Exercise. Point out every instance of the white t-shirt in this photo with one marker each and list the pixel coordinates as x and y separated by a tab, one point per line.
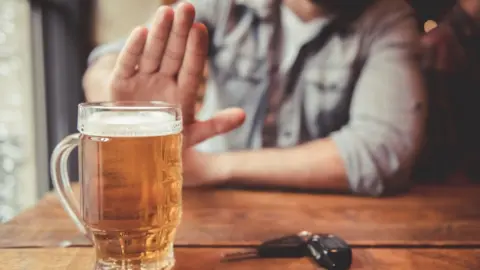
295	33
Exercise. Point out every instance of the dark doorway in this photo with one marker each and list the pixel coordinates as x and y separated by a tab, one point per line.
66	41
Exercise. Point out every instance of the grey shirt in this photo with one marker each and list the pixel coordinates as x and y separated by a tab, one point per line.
363	88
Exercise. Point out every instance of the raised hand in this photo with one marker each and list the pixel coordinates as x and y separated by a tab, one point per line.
165	63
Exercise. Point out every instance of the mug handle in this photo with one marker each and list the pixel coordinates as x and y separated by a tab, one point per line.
61	180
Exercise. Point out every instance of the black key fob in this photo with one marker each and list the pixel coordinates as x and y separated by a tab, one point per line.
330	252
290	246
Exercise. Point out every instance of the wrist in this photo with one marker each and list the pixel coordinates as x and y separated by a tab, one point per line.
225	167
96	85
96	80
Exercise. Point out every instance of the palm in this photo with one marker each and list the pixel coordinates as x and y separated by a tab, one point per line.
145	87
166	64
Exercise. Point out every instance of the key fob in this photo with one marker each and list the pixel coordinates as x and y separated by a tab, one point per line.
330	252
290	246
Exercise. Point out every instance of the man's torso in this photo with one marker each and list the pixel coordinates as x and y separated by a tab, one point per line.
240	72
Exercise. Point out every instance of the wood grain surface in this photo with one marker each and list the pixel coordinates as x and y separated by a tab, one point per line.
427	216
212	258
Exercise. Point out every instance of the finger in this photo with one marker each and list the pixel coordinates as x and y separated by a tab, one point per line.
130	55
222	122
173	56
192	70
157	40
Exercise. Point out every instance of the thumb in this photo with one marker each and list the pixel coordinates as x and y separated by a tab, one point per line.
222	122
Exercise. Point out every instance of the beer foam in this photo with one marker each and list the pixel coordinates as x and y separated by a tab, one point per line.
130	124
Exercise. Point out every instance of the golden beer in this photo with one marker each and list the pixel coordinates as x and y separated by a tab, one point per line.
133	193
131	186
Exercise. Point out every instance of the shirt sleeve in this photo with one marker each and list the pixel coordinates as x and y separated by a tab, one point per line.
382	139
207	12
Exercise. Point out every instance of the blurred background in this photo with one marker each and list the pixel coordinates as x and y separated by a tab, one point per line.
43	49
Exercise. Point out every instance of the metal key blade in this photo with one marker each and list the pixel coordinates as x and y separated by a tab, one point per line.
239	256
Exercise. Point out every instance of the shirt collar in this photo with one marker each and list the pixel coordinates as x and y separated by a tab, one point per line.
263	8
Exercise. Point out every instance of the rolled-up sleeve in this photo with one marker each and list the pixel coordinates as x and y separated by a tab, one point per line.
384	135
207	12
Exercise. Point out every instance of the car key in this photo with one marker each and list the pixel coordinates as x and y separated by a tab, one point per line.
291	246
330	252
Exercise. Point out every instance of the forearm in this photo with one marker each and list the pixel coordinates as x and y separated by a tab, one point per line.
315	165
96	79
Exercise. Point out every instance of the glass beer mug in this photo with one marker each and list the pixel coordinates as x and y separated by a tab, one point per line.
131	181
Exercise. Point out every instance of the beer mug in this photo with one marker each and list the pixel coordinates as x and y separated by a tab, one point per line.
131	181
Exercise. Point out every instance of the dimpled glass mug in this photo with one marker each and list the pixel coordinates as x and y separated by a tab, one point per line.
131	181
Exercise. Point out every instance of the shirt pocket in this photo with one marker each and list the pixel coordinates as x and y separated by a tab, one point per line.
326	99
238	78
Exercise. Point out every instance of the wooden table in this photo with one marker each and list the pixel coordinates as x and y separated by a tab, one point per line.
428	228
